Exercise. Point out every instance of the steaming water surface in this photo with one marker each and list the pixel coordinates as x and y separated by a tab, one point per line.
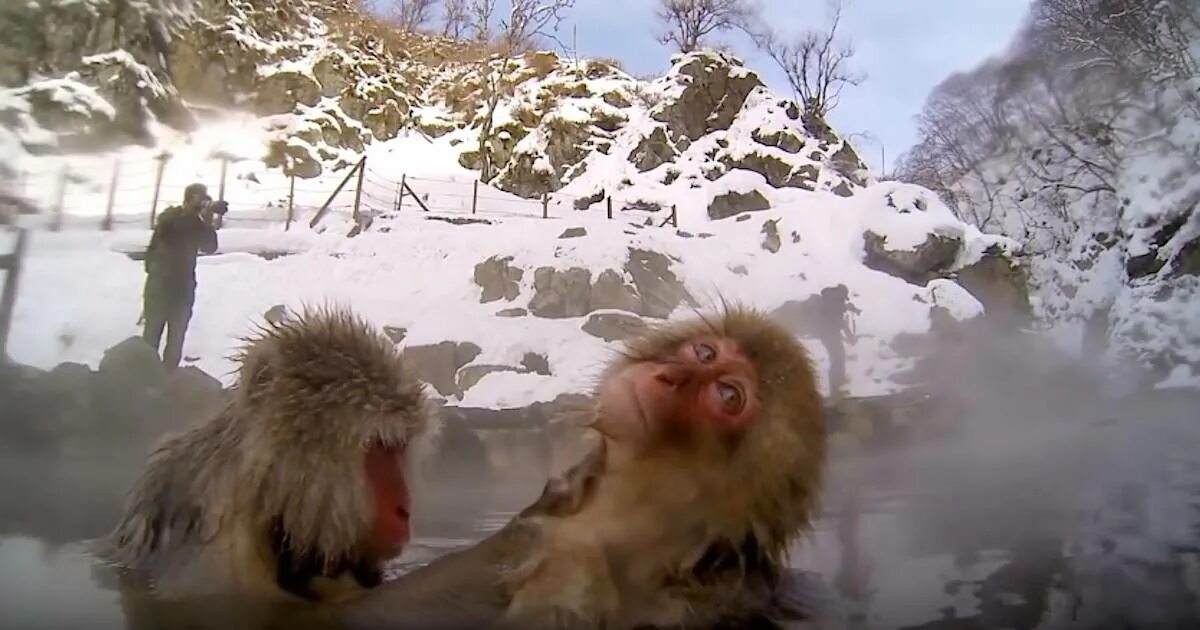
1025	524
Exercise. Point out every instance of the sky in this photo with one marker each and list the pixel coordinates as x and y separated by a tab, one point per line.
905	47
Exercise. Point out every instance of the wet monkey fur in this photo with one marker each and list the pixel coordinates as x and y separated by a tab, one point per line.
296	489
708	464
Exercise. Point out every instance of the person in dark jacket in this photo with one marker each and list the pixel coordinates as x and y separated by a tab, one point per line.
179	233
832	329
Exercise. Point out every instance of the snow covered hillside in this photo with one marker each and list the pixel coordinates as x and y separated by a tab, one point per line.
505	280
1082	144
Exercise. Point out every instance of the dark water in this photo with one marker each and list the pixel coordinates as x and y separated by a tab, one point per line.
1083	521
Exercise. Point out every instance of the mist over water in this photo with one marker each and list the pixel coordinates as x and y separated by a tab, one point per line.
1053	501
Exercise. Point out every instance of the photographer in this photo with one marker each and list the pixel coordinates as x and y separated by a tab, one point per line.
179	233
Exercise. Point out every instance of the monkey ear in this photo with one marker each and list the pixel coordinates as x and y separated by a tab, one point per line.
565	495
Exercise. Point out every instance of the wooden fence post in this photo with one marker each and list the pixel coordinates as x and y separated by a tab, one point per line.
11	263
545	205
325	206
162	165
403	187
609	200
474	196
107	223
291	202
362	168
219	220
60	198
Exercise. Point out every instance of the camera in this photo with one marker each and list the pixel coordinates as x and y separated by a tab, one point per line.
219	207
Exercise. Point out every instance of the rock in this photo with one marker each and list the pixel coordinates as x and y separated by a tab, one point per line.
1187	261
279	92
611	292
133	362
740	270
787	140
615	99
777	172
561	293
712	95
733	203
294	159
614	326
512	312
660	291
842	190
653	151
536	363
438	364
276	314
499	280
193	394
575	232
847	163
999	283
395	334
770	231
926	261
470	376
583	203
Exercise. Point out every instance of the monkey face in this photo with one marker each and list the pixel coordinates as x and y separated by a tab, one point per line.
385	474
702	385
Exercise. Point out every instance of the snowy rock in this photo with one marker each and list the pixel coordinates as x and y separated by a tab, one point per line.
575	232
734	203
770	232
1000	284
784	139
614	326
498	279
657	286
653	151
395	334
276	314
713	92
438	364
561	293
536	363
611	292
280	92
917	265
776	171
470	375
512	312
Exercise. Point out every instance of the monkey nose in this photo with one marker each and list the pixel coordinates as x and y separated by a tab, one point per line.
673	376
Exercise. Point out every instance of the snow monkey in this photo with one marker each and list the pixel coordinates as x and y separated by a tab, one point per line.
296	489
708	461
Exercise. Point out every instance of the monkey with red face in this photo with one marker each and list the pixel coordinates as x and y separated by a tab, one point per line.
296	489
709	459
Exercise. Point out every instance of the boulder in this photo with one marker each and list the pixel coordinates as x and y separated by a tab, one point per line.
653	151
574	232
734	203
536	363
561	293
279	92
660	291
1000	284
276	314
438	364
614	326
498	279
783	139
512	312
611	292
470	375
930	259
777	172
847	164
395	334
714	88
770	232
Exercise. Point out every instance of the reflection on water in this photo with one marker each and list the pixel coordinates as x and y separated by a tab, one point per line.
1039	525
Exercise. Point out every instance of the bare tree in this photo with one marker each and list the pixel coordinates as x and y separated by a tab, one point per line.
412	15
456	19
530	19
689	22
480	14
815	63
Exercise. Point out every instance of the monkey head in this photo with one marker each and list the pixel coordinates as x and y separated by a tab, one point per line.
731	400
334	413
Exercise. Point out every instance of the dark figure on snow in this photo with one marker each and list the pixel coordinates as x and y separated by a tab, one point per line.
179	233
832	328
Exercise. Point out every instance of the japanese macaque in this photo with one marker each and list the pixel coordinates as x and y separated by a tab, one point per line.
709	459
296	489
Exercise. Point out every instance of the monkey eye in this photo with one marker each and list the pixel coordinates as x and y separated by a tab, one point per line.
732	399
704	352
